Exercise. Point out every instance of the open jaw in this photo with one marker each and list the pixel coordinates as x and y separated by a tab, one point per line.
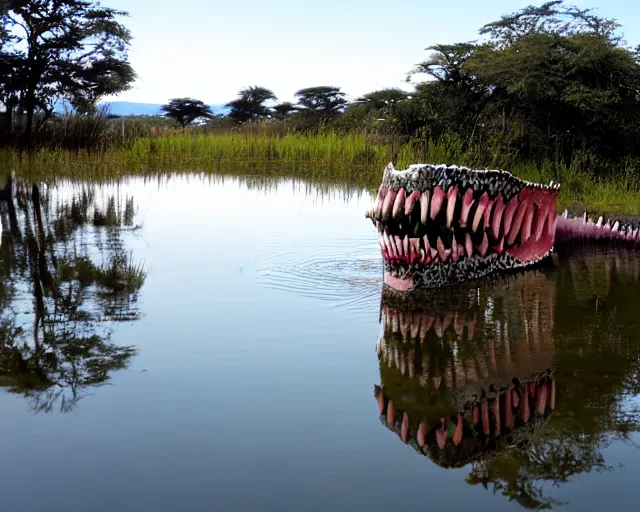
442	225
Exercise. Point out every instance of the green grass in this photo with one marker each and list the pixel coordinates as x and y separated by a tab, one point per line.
352	159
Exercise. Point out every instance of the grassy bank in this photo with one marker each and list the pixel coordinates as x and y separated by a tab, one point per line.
353	159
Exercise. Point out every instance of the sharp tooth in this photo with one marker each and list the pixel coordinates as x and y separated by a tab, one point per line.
527	223
399	202
482	204
454	249
584	217
484	246
565	214
467	202
542	216
599	223
517	221
426	243
498	210
451	203
615	227
382	191
436	201
508	215
414	244
468	245
391	248
424	206
410	202
487	213
388	203
444	253
398	243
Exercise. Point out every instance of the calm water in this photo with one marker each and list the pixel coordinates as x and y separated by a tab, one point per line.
214	344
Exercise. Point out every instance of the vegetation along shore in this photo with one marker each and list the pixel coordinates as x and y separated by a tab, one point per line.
549	93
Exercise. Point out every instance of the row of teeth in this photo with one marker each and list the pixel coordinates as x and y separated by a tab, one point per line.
459	370
414	326
515	218
418	250
396	204
589	228
493	416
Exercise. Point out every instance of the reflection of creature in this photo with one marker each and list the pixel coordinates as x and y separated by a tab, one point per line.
480	361
522	379
441	225
45	251
481	425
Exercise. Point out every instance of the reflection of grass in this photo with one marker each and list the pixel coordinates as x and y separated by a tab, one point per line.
121	275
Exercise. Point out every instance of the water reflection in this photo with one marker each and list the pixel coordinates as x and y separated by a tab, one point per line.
65	276
525	381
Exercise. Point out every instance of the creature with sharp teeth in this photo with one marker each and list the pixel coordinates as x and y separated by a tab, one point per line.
443	225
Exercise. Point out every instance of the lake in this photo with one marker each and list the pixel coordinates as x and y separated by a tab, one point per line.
215	343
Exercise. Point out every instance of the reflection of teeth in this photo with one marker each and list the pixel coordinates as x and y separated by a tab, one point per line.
484	411
422	434
438	328
391	413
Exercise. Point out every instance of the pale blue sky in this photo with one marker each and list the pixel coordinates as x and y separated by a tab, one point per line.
211	49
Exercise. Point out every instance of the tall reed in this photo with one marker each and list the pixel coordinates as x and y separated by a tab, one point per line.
351	158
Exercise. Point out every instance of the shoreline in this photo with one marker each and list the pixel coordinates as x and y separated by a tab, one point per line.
350	160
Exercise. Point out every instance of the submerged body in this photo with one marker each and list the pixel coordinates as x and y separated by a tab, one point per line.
443	225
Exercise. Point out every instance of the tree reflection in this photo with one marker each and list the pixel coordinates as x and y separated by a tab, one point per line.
524	381
65	276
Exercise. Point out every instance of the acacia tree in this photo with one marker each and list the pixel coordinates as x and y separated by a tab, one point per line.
71	49
284	110
186	110
321	103
250	105
384	101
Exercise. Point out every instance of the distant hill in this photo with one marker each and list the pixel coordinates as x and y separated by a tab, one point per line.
130	108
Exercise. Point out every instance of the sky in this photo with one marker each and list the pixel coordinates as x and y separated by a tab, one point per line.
209	50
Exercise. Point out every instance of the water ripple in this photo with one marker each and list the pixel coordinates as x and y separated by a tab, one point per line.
346	272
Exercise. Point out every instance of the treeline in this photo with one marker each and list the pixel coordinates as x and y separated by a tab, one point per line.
548	83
